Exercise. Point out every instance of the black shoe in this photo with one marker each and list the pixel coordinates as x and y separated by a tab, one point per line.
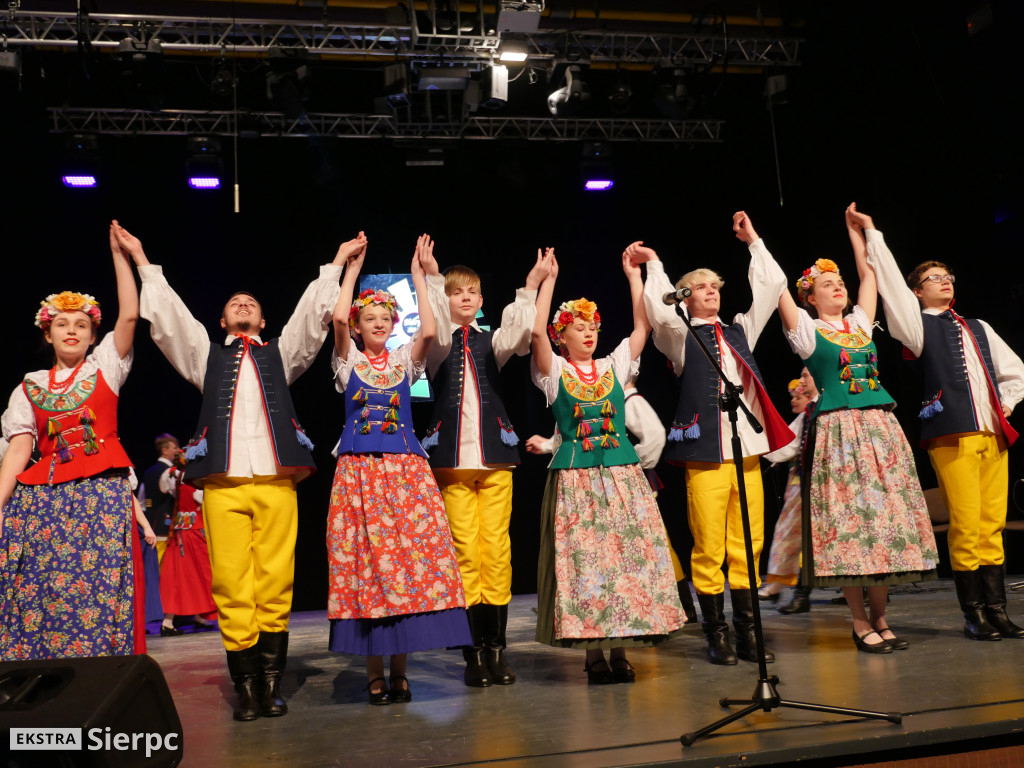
686	598
865	647
599	677
993	587
801	602
380	698
716	631
498	670
623	671
399	694
244	668
895	642
166	631
477	675
743	622
969	588
273	647
772	597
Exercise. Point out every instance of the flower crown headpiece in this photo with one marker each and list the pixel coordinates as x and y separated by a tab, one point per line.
365	299
805	283
794	385
67	301
566	315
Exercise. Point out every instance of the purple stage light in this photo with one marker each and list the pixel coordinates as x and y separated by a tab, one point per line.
204	182
79	180
598	185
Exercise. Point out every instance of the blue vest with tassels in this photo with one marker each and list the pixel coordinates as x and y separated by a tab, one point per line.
210	449
378	416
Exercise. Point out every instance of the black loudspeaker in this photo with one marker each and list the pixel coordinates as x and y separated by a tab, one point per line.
120	705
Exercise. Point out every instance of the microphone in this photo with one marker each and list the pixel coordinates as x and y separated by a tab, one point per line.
676	296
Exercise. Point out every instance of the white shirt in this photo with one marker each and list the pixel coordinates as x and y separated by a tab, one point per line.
511	338
767	282
186	344
903	312
19	418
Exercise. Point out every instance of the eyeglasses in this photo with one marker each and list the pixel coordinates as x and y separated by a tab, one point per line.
938	279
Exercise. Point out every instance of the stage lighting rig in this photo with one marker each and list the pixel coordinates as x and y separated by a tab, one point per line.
596	169
203	165
571	98
80	165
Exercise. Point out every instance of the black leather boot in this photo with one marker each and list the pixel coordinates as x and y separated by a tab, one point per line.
273	648
716	631
494	644
687	600
477	675
244	668
743	621
801	602
993	589
969	593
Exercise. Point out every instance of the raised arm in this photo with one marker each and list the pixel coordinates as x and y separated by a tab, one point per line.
428	327
641	325
127	295
183	339
766	278
788	311
540	345
354	258
517	319
867	294
902	309
669	329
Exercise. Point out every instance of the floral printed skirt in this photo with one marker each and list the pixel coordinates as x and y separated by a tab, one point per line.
784	558
605	576
389	547
66	576
868	523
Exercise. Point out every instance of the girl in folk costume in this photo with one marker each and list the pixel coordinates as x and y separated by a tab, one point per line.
605	576
867	521
66	576
186	578
784	557
395	585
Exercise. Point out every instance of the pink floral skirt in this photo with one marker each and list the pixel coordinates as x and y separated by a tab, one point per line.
867	514
389	547
605	571
784	557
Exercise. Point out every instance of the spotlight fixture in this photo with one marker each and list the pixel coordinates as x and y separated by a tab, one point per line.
288	80
223	81
396	85
80	167
620	95
512	51
570	98
203	166
494	87
142	71
596	170
671	96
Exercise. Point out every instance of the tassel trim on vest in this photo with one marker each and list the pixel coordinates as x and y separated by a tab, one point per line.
301	436
931	407
508	435
197	448
680	431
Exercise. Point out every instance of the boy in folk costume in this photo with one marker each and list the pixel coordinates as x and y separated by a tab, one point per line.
700	436
248	454
972	382
473	448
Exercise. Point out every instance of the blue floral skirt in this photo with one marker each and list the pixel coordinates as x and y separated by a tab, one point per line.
66	577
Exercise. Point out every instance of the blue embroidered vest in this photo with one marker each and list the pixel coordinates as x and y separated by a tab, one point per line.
209	450
378	416
948	405
696	428
159	505
471	352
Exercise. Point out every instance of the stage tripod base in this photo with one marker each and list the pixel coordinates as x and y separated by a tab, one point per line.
766	698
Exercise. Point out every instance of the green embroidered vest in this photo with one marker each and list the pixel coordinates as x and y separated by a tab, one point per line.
591	419
844	366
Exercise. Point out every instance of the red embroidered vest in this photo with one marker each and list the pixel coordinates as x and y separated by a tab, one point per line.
76	432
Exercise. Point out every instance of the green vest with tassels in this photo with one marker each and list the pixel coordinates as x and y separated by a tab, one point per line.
845	368
591	419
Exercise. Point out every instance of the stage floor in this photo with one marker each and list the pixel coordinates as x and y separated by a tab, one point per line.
947	687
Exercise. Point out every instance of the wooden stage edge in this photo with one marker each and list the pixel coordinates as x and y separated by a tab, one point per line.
955	695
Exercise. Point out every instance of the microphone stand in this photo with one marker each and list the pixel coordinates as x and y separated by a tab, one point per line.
765	696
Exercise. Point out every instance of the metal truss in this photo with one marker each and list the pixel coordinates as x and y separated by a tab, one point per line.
362	126
743	45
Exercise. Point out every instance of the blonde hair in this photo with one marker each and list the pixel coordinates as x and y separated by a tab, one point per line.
458	276
698	276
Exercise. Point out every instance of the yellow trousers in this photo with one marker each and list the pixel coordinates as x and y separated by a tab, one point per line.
161	547
251	524
713	508
973	473
479	507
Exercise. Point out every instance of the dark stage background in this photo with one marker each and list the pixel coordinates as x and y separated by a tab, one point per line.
895	107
